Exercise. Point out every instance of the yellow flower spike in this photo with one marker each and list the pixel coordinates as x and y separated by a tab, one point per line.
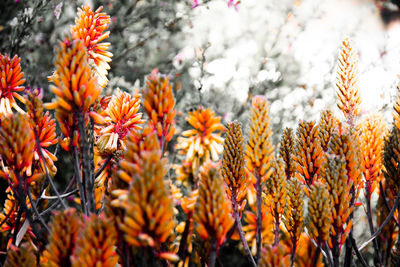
17	146
204	142
308	153
232	169
44	126
121	116
294	212
347	83
11	79
148	200
276	191
159	105
89	27
73	71
274	256
319	213
286	152
328	124
259	149
23	256
347	145
213	209
95	243
64	230
334	175
372	133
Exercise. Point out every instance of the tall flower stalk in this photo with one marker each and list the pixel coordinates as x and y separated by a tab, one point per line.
259	155
233	172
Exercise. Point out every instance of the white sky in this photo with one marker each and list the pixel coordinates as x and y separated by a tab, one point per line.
240	42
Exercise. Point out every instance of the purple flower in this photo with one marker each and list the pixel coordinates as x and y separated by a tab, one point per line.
58	10
195	3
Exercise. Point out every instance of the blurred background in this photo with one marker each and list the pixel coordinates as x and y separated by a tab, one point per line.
220	53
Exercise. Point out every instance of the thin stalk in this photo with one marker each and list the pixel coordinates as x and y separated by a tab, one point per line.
108	159
293	254
316	257
276	230
328	254
259	215
348	257
241	233
16	225
88	183
33	203
50	180
80	182
213	253
386	221
383	195
185	234
377	256
358	254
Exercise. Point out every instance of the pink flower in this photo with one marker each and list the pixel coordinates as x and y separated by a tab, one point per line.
195	3
234	3
57	10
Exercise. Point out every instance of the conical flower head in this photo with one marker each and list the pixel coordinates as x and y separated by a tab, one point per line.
17	146
121	116
11	79
308	153
294	212
159	105
372	132
75	87
347	145
328	124
276	190
213	209
391	161
89	27
44	128
319	213
64	229
286	152
148	205
232	169
204	141
259	149
95	244
334	175
347	82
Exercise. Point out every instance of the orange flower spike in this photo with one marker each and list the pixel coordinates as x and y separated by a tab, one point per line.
308	153
213	209
64	231
372	133
23	256
75	87
391	161
89	27
327	126
347	146
11	79
147	200
294	211
286	152
347	83
204	142
319	213
259	149
17	146
334	175
121	116
44	127
95	244
232	169
276	191
159	105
